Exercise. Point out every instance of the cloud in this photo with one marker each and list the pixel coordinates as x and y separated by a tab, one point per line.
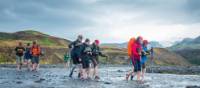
108	20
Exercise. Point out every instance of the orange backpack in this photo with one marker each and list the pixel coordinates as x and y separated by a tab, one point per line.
35	51
130	45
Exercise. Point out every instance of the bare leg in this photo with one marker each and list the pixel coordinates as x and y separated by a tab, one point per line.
80	70
88	73
138	76
143	73
128	75
96	71
18	66
29	65
65	65
83	74
37	67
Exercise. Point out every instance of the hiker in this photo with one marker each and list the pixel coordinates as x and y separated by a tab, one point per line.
131	59
35	52
19	55
75	48
96	52
86	56
145	52
27	56
66	60
137	52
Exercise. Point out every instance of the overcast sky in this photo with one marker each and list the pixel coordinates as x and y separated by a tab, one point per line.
107	20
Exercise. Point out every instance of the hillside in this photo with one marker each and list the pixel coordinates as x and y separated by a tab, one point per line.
54	49
189	49
11	39
162	57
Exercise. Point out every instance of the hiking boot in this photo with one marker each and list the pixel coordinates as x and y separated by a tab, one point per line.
97	77
132	77
70	75
79	75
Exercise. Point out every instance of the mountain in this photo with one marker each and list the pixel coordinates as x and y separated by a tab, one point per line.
189	49
115	45
187	43
155	44
124	45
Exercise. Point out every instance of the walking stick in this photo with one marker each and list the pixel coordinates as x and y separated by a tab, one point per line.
107	82
152	57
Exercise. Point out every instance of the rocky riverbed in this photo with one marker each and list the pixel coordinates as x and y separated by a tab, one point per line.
111	77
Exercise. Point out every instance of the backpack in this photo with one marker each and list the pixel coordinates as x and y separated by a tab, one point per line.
35	51
130	46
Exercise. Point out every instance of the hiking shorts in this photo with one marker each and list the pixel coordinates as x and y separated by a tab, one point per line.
75	58
27	56
86	64
19	59
35	60
95	61
143	66
137	66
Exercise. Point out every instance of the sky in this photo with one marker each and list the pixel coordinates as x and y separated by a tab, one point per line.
111	21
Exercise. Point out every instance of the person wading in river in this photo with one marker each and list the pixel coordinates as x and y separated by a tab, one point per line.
137	52
75	49
144	58
19	55
131	58
96	52
27	56
35	52
86	56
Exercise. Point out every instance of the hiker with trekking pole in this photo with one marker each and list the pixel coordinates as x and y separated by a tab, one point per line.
144	58
96	52
137	52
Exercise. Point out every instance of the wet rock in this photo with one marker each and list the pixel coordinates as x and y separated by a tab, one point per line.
119	76
40	80
19	82
120	71
193	87
50	87
107	83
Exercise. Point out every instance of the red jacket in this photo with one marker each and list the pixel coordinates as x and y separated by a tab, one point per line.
136	50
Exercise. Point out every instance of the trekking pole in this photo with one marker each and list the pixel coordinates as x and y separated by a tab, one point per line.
107	78
152	57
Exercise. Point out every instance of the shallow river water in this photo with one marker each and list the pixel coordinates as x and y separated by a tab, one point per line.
111	77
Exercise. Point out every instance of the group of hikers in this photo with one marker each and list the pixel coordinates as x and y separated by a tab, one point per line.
85	57
28	55
137	52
